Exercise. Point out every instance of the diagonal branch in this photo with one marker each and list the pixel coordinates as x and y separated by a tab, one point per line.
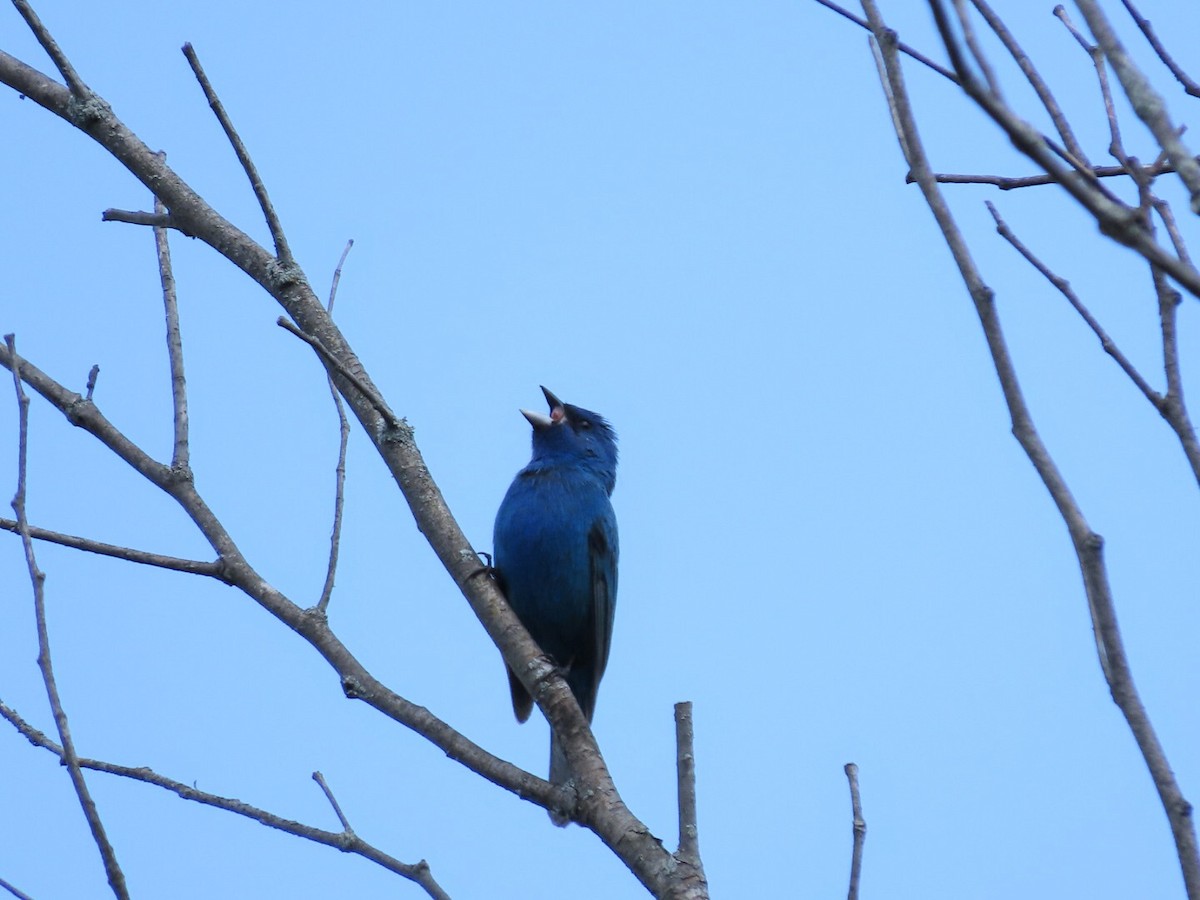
142	557
180	454
417	872
339	491
903	47
1089	546
116	878
282	251
1064	287
1117	220
16	892
80	90
1151	35
1146	101
599	805
1025	64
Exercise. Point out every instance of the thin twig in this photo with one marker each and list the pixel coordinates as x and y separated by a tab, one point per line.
180	454
1115	218
142	557
1064	287
685	770
339	493
1088	545
282	251
139	217
964	22
1171	405
320	779
416	872
1146	102
860	831
334	363
903	47
1181	76
76	84
116	878
1096	55
1039	85
357	682
1168	218
16	892
1175	409
1009	182
91	380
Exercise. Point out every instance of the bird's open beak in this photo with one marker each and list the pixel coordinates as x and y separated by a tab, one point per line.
557	412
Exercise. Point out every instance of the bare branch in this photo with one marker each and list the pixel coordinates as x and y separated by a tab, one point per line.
1181	76
282	252
1116	219
860	831
137	217
1025	64
964	22
19	894
1168	218
1064	287
78	89
1146	101
1010	182
356	681
900	45
320	779
599	806
116	878
179	455
1174	408
1088	545
333	362
685	767
417	872
339	493
142	557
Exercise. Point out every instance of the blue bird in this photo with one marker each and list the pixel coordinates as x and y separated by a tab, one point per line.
555	543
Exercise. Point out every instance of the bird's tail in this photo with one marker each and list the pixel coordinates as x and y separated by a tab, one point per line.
560	773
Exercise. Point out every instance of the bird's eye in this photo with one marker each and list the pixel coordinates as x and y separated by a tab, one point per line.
584	423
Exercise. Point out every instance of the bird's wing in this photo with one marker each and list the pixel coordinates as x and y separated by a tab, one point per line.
602	561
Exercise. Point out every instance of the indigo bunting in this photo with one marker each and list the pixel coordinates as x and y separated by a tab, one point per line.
555	543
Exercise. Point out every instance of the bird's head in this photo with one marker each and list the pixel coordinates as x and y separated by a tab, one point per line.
570	433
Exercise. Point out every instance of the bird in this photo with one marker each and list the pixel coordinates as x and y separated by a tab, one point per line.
555	554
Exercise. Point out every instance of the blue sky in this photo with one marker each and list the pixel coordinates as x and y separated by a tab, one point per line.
691	218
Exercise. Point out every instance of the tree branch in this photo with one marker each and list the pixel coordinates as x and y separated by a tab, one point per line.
860	831
685	766
1064	287
180	454
1087	544
142	557
1181	76
339	492
599	805
1025	64
1146	101
282	251
16	892
80	90
417	872
116	878
1115	218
